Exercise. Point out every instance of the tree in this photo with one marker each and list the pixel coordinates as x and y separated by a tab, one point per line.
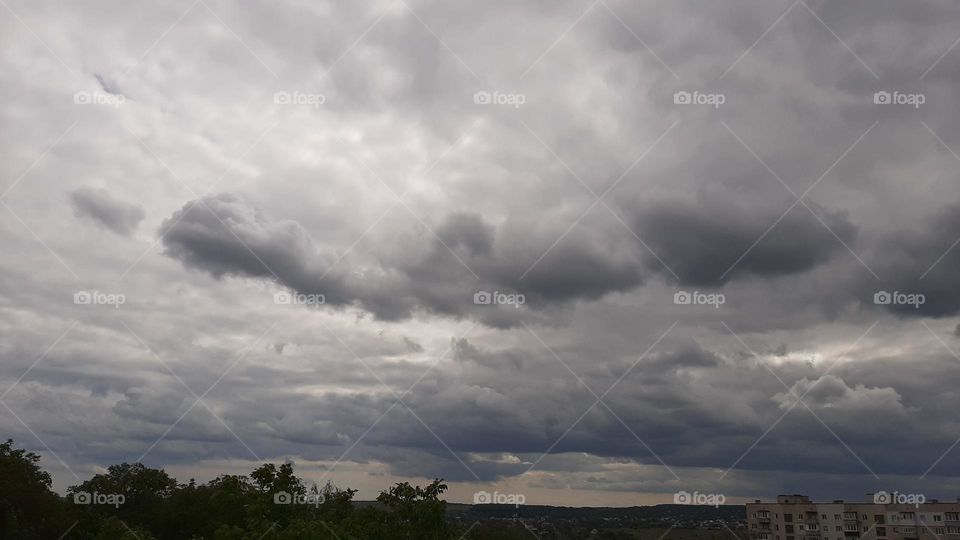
113	528
28	507
136	491
414	512
153	506
271	479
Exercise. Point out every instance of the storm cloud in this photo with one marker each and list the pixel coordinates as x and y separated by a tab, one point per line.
224	235
509	211
98	206
708	244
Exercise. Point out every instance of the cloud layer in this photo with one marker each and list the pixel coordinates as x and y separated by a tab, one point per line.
98	206
445	240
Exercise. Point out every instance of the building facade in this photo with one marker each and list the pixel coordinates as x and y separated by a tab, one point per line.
796	517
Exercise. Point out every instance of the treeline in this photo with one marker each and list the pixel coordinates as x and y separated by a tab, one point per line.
654	516
135	502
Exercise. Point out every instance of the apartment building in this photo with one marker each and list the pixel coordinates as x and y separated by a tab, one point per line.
796	517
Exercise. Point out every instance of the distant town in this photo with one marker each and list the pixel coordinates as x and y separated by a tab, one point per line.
673	521
881	516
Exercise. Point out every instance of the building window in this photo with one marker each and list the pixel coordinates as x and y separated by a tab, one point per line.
940	530
937	517
836	517
881	531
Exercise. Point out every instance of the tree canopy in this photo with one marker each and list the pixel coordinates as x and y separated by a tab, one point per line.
131	501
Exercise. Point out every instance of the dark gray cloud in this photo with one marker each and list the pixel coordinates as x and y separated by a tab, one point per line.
710	243
921	261
224	235
102	208
492	199
686	355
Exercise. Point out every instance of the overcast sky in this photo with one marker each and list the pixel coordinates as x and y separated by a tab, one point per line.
593	252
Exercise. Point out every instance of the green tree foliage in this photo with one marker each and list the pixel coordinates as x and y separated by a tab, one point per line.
141	489
28	507
113	528
417	510
271	503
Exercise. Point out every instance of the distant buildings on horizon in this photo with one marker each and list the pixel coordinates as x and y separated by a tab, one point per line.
884	516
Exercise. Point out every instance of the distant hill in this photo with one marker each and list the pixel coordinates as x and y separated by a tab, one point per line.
655	515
